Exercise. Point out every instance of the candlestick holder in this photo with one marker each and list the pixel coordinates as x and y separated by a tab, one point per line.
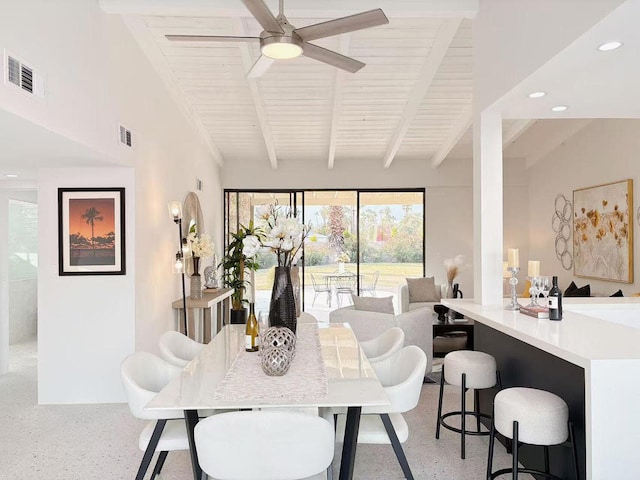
513	281
534	291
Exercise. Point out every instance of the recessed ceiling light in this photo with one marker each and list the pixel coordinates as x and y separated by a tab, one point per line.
11	175
537	94
559	108
607	47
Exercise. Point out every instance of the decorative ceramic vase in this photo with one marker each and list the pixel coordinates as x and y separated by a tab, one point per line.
282	310
279	337
275	361
196	280
196	286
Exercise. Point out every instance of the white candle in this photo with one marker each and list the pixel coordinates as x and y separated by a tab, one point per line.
505	272
513	256
534	268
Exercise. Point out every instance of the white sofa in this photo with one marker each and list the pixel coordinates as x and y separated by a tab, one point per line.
417	326
403	299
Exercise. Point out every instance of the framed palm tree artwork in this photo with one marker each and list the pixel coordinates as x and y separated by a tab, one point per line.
91	231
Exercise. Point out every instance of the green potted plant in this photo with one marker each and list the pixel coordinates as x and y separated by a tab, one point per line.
238	258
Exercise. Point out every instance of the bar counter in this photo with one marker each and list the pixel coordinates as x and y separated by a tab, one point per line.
591	359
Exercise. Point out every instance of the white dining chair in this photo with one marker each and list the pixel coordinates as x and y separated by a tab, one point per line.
143	376
178	349
401	376
384	345
264	445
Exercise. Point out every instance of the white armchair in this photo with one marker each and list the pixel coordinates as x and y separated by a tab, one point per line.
406	306
417	326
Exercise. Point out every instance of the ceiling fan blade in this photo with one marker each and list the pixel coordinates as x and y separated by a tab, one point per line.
372	18
332	58
263	15
260	67
209	38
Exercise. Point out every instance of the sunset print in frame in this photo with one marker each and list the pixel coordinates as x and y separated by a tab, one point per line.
91	231
603	232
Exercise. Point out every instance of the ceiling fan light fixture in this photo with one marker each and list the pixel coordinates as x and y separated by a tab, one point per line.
281	47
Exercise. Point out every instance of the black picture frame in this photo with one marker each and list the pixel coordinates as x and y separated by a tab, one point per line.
91	231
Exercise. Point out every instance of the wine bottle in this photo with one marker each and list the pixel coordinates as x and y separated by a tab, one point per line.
251	333
555	301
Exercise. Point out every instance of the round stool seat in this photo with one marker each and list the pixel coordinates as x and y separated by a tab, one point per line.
542	416
479	368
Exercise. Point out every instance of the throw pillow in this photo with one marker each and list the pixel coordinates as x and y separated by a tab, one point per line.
422	290
617	294
584	291
373	304
572	286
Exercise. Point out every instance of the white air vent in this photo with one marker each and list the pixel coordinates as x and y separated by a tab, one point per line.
23	76
126	137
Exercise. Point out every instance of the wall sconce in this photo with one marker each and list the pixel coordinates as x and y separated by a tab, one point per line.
175	211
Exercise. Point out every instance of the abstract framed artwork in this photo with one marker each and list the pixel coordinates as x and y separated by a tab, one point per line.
603	232
91	231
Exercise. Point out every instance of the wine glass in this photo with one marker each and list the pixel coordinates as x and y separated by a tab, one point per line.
545	286
534	290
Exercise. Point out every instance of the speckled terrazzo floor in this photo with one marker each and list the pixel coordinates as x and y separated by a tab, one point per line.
72	442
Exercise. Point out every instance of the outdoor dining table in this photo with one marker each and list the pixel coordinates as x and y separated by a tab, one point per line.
343	378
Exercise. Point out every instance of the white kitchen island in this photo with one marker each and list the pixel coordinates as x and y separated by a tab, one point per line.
591	358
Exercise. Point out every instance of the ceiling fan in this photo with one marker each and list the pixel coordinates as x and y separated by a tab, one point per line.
280	40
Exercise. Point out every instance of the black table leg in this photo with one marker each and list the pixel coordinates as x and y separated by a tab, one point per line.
350	442
191	419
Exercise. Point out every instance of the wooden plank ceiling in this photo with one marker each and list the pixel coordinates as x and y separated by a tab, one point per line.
411	101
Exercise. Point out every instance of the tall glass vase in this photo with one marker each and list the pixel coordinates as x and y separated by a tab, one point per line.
282	310
451	315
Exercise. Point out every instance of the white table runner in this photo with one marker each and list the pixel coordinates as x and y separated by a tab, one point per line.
305	380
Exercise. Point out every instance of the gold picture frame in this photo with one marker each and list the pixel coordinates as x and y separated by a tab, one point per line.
603	232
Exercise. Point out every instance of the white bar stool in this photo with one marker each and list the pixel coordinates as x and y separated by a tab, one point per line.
531	416
466	369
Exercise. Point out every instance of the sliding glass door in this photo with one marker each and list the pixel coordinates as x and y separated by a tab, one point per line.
367	241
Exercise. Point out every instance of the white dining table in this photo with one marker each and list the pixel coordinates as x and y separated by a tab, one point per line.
351	383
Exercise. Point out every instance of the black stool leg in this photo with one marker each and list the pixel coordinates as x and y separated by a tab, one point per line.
463	416
440	403
492	433
515	451
546	460
476	405
574	451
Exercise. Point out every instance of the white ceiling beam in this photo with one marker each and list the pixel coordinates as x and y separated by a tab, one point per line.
256	96
338	90
142	34
300	8
517	129
440	46
454	137
553	142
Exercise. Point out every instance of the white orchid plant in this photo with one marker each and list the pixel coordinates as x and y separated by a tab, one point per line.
201	245
283	233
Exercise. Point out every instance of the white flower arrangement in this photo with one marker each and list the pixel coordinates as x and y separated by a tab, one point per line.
453	267
201	245
284	234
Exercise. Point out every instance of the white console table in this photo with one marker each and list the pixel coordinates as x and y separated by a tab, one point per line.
210	325
604	348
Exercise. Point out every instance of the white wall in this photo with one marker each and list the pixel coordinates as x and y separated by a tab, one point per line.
85	322
96	76
605	151
4	282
